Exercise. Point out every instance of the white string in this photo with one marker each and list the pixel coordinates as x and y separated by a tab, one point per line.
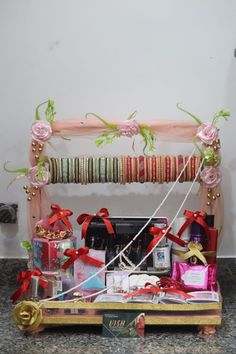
164	234
130	243
173	220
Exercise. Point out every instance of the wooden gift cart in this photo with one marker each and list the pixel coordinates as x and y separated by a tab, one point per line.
33	316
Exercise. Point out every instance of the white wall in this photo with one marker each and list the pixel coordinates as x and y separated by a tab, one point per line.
113	57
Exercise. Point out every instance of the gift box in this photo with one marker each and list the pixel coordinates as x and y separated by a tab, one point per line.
123	282
56	284
83	269
195	277
53	288
55	226
117	282
114	233
48	255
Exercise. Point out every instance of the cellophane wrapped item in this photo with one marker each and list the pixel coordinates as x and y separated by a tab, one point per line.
48	255
83	270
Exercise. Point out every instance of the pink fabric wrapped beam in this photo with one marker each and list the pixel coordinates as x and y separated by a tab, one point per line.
166	130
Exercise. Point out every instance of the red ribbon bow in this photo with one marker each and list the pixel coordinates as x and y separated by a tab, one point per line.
85	219
167	285
60	214
25	278
81	253
158	233
197	216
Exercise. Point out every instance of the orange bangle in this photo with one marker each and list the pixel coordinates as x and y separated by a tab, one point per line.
154	177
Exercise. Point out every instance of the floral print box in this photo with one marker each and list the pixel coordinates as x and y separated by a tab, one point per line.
48	255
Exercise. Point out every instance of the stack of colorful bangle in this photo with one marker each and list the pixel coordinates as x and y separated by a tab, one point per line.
122	169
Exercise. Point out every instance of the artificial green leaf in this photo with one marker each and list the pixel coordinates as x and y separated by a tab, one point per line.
27	246
37	115
50	112
23	171
210	158
221	114
198	120
108	125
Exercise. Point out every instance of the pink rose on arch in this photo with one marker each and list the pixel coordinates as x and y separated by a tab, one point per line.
41	131
38	176
211	176
128	128
207	133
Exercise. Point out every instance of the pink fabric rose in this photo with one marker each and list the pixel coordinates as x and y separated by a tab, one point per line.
38	176
211	176
129	128
207	133
41	131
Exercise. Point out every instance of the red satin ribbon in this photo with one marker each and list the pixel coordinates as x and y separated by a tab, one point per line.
166	285
197	216
60	214
85	219
158	233
81	253
25	278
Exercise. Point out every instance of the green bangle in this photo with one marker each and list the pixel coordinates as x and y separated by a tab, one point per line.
80	170
97	170
58	170
119	170
72	170
85	170
110	169
115	170
94	170
76	169
102	167
51	171
64	170
55	170
90	170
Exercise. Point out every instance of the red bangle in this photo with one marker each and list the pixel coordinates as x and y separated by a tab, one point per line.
192	168
135	169
180	167
129	174
153	161
175	168
186	169
158	179
167	160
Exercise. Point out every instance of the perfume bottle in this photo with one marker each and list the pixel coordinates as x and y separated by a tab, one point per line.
197	236
210	244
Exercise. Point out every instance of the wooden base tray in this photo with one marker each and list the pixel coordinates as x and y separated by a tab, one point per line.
34	316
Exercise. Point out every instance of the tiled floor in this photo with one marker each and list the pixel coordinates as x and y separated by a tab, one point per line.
88	340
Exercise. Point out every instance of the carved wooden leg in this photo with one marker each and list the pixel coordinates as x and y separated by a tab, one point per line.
206	329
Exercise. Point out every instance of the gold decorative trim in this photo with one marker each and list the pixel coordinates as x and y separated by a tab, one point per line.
130	306
149	320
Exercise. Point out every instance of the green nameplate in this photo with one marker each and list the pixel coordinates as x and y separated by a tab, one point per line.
123	324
